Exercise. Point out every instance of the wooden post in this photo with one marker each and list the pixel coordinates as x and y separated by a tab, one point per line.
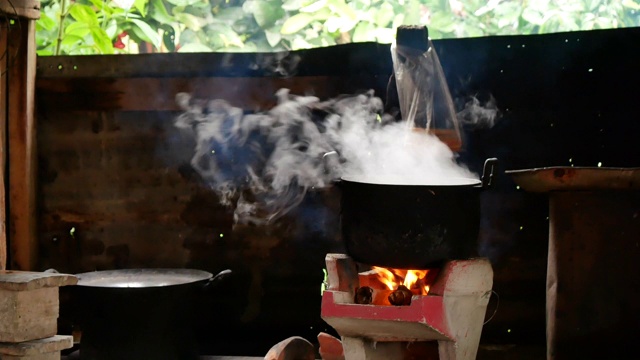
4	26
593	302
18	145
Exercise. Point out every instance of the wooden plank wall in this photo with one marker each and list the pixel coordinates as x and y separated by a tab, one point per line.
111	159
115	189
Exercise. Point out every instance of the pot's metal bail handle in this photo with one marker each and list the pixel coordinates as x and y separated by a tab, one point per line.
488	172
331	162
216	279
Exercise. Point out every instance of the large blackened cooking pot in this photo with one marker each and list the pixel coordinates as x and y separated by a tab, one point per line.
412	226
139	313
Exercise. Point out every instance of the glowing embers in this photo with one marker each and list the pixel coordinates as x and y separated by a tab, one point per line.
385	286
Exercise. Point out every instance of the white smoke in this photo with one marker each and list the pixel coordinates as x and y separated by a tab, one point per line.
478	115
262	165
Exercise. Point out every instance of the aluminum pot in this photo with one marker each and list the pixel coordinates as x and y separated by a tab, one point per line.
139	313
414	226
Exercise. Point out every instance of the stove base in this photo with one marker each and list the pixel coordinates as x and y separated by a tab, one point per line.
359	348
452	314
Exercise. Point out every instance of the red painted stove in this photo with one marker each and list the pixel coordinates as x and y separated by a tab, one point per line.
452	313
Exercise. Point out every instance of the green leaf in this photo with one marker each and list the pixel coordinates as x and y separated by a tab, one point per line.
333	24
141	6
300	43
296	23
384	15
471	31
184	2
233	13
112	28
443	21
147	33
46	23
84	14
230	38
313	7
295	5
71	40
273	36
533	16
188	36
44	52
220	35
631	4
103	6
78	29
267	13
190	21
364	32
411	13
159	12
322	14
385	35
341	8
102	41
195	47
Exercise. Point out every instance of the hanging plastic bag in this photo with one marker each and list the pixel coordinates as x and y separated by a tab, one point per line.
423	94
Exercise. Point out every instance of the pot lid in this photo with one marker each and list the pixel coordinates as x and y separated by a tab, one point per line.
141	278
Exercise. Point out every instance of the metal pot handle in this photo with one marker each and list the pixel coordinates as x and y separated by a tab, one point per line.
216	279
331	162
488	172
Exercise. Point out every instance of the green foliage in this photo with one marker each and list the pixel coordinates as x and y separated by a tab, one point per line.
77	27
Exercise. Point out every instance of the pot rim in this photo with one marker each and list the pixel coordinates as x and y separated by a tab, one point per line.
141	278
461	182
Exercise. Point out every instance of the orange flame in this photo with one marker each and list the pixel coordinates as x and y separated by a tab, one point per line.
414	280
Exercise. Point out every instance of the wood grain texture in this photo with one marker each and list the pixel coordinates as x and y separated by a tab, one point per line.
158	94
593	278
3	145
28	9
22	147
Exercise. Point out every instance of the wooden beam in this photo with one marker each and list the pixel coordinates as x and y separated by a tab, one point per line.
158	94
3	145
342	60
22	147
28	9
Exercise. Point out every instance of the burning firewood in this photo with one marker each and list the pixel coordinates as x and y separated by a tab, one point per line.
364	295
401	296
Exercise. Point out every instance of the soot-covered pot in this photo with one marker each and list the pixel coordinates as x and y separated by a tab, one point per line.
412	226
139	313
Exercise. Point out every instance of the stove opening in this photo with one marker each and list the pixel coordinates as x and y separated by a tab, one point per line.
388	286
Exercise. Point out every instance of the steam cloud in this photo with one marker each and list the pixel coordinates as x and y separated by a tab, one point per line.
479	115
262	165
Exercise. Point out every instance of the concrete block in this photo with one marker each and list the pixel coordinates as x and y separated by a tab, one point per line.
42	349
29	304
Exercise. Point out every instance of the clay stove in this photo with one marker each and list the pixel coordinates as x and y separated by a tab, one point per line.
452	313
